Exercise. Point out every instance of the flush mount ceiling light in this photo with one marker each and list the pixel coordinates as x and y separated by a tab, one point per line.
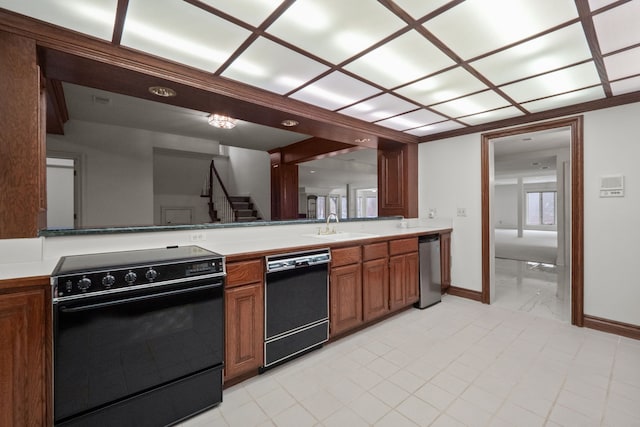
362	140
289	123
221	121
162	91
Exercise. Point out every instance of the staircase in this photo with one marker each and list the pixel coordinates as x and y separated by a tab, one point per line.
243	209
225	208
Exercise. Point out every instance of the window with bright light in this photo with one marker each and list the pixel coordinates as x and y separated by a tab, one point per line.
541	207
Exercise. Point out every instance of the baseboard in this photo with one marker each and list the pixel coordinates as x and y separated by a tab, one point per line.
619	328
465	293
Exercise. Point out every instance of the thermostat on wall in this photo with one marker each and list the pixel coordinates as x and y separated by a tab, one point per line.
612	186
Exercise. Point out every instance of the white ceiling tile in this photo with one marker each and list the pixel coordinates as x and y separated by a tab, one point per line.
475	27
436	128
379	108
618	27
597	4
563	100
412	120
473	104
418	9
442	87
564	80
402	60
335	91
181	32
335	29
626	86
95	18
555	50
491	116
253	12
270	66
623	64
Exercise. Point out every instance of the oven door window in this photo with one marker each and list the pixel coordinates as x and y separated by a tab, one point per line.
108	348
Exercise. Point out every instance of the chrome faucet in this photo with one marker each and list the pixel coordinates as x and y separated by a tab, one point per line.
326	230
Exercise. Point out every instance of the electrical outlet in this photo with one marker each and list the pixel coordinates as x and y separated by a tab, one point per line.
462	211
432	213
198	237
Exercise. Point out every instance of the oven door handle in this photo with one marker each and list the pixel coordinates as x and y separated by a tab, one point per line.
88	307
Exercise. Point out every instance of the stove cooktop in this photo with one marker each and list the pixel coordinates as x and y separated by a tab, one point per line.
82	275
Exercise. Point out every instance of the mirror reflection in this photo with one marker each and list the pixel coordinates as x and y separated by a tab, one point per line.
124	161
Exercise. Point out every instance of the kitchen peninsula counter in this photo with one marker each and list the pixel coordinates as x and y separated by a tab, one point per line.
37	257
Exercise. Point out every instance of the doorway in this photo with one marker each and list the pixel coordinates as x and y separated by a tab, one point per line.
574	246
63	191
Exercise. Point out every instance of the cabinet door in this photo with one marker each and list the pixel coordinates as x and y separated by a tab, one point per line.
244	326
445	260
375	288
411	268
396	282
346	298
24	385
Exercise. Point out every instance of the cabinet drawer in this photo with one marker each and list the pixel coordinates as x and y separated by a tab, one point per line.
402	246
374	251
344	256
240	273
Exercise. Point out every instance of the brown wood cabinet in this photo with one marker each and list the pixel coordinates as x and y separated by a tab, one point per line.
445	260
375	281
25	356
345	289
244	318
403	273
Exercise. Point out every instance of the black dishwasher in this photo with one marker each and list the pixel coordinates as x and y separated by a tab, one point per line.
296	304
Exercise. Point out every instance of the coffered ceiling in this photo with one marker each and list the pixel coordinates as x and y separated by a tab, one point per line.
424	68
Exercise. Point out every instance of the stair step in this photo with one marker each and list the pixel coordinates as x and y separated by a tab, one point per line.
245	199
246	219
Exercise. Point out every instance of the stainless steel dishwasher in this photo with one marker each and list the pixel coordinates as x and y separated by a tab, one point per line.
430	279
296	304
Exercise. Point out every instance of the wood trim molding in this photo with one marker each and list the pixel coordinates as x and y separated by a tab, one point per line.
613	327
577	208
465	293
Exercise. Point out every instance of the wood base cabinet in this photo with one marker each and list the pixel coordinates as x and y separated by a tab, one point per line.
375	281
244	318
25	354
345	289
403	273
445	260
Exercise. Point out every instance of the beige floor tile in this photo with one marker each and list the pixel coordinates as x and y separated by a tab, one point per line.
418	411
295	416
370	408
394	419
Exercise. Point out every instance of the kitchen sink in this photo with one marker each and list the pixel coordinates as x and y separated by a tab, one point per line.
342	235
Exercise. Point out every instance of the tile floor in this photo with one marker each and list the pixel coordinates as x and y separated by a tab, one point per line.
458	363
534	287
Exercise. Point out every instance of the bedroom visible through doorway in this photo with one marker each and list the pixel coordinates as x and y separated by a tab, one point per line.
530	210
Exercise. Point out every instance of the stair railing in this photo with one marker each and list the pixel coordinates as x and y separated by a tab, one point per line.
218	196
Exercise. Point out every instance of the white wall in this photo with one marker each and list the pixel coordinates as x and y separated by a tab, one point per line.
505	206
449	177
118	171
178	181
612	234
250	175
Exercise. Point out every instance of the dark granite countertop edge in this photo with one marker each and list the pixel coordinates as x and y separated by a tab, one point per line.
211	226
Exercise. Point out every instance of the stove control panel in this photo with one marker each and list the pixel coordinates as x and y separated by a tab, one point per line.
85	283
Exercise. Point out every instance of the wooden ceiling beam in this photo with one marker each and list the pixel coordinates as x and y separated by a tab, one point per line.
57	113
316	148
